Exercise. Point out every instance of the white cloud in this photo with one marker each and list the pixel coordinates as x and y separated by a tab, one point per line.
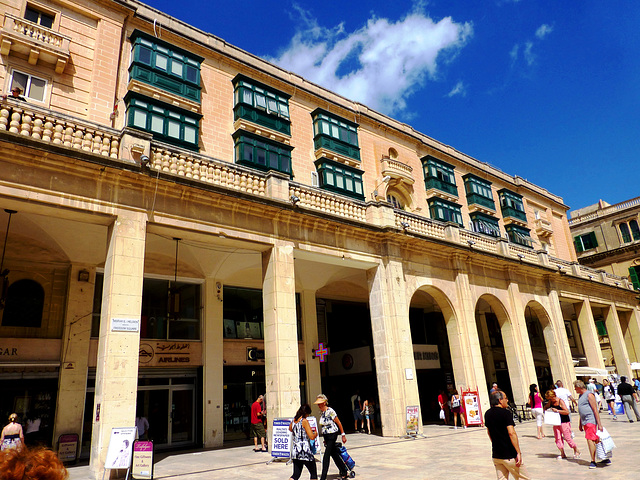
379	65
514	52
543	30
459	89
529	57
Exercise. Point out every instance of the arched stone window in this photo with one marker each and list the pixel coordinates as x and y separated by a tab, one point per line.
393	153
25	302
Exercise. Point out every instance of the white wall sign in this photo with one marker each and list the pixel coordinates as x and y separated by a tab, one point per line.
125	324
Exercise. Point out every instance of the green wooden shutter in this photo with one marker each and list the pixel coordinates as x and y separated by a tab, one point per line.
633	274
578	244
593	240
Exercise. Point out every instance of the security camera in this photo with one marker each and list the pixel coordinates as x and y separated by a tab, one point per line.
144	160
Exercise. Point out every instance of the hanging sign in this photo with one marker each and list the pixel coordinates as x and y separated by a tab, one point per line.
321	352
281	438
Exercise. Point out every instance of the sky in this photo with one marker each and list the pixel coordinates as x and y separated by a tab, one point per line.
546	90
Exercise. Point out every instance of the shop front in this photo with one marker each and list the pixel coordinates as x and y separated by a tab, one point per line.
29	370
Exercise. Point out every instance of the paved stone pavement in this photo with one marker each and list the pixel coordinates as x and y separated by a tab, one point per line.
445	453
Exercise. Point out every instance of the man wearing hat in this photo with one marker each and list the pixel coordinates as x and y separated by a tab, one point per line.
15	94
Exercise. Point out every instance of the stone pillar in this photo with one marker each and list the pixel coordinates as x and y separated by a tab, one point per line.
464	338
72	385
280	332
392	345
616	340
559	351
313	383
631	332
589	334
522	371
212	360
117	368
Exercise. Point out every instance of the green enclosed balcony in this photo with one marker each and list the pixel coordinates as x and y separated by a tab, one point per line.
261	117
513	213
438	184
476	199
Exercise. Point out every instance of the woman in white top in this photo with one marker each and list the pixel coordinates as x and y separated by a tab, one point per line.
330	424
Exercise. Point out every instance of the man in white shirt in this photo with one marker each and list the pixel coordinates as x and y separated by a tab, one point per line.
564	395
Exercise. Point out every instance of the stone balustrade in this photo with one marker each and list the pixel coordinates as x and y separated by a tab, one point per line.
325	202
481	242
422	226
23	27
206	170
39	123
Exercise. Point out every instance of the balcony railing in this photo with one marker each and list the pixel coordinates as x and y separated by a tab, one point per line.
35	41
65	131
43	124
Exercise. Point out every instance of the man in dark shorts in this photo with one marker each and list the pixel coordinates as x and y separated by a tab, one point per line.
507	458
257	428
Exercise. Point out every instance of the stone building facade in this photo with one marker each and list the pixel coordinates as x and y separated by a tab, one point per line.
186	225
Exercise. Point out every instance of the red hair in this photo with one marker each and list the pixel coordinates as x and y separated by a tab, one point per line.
31	464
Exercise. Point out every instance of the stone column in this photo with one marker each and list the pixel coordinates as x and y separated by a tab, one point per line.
522	371
464	337
72	385
631	332
589	334
616	339
117	368
212	360
313	383
280	332
562	364
392	345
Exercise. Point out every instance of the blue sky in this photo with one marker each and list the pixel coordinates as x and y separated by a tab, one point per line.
547	90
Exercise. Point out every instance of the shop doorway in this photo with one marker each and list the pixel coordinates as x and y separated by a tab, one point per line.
345	327
170	412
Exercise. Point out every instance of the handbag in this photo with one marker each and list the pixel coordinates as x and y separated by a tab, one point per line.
313	444
441	414
552	418
606	440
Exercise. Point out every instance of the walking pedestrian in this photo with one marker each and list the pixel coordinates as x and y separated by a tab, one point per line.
610	397
456	409
356	406
257	427
12	435
562	432
331	425
565	395
626	391
535	403
301	453
366	413
443	401
507	458
589	419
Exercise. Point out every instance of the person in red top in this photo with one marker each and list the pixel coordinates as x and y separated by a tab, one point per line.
257	428
443	401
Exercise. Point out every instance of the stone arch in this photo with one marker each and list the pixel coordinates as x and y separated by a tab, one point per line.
434	302
502	363
536	312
